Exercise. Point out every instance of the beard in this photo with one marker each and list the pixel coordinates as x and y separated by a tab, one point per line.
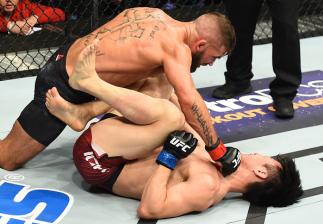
196	61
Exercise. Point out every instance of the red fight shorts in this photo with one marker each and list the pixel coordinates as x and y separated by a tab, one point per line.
95	166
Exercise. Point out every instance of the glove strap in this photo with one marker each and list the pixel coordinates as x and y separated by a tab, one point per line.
166	159
217	150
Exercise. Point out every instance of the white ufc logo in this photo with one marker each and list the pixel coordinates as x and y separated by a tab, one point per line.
179	143
237	160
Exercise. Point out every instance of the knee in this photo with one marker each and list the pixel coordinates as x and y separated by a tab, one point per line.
8	163
173	117
10	166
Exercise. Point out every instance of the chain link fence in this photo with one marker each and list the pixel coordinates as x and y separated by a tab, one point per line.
23	53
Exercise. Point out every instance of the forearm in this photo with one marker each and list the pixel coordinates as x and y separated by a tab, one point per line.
22	27
14	27
198	116
155	193
158	199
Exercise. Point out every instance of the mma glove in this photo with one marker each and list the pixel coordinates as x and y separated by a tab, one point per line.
229	157
178	145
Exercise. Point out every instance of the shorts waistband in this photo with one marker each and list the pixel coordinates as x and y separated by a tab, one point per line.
60	56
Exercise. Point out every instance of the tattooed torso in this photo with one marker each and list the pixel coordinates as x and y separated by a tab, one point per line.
130	45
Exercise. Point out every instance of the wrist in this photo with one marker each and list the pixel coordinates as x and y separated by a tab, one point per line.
35	18
167	159
213	146
217	150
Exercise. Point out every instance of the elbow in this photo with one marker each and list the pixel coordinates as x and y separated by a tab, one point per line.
147	212
186	100
186	95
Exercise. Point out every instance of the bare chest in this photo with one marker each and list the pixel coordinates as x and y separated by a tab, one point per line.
134	177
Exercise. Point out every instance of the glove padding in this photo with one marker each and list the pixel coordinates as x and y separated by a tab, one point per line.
228	156
178	145
230	161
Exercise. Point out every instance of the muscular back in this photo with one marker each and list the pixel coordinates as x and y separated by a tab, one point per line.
131	46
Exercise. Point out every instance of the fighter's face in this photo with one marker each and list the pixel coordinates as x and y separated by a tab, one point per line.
8	5
206	57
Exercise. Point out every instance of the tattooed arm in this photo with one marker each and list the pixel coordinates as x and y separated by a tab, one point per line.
177	70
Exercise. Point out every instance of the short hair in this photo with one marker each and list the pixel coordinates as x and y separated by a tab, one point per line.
282	189
215	26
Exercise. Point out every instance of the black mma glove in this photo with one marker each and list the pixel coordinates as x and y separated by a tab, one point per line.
228	156
230	161
178	145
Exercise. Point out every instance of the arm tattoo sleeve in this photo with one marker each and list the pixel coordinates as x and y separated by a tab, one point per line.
206	131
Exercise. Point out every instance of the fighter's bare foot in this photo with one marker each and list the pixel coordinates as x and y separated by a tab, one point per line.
69	113
84	68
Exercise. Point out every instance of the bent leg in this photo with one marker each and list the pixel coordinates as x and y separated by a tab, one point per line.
18	148
128	102
76	116
119	137
34	129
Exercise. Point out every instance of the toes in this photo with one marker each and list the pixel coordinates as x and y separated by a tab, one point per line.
47	103
93	48
54	92
96	42
51	91
48	98
48	95
87	50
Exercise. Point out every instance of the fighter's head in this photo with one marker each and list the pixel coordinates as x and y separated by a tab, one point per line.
276	180
215	38
8	5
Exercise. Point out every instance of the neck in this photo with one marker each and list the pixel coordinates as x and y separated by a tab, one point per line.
190	33
239	180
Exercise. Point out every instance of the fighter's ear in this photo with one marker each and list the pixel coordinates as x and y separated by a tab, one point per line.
261	172
201	45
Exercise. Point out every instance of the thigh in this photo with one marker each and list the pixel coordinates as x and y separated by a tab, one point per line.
119	137
39	124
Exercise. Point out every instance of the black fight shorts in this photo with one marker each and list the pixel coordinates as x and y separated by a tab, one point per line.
35	119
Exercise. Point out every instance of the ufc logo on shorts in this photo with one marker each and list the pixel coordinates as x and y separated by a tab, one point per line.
179	143
89	157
